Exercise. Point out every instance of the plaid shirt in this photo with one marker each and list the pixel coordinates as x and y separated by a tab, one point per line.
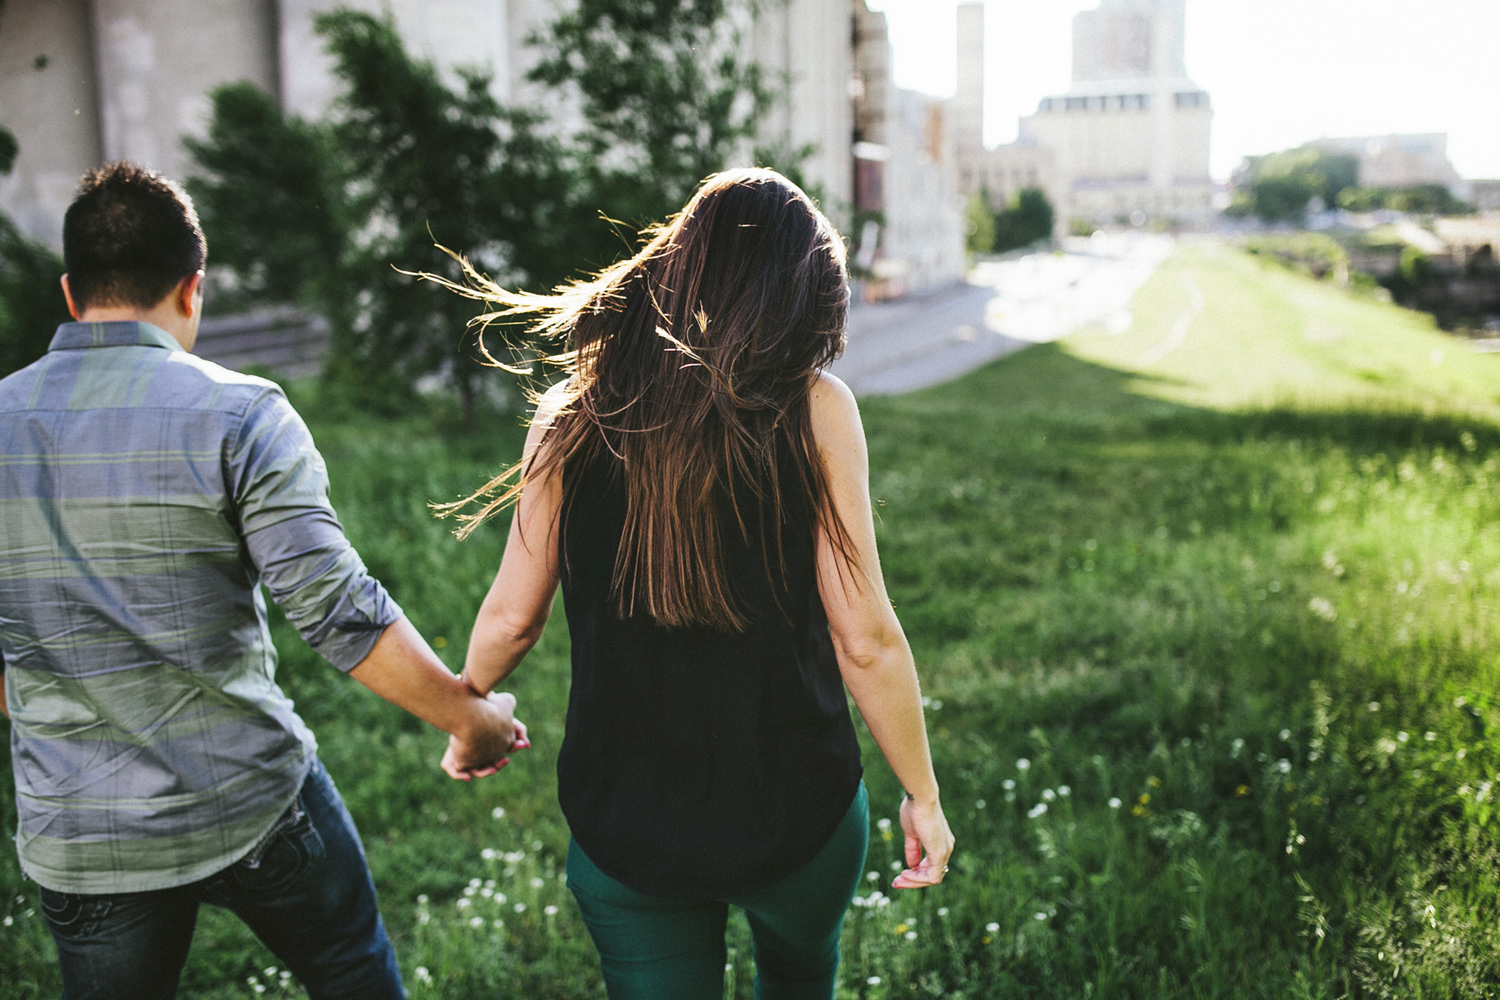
145	496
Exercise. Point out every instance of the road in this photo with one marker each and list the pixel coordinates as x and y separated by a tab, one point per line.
1003	306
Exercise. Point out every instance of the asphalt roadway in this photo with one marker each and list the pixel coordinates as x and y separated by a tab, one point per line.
1002	306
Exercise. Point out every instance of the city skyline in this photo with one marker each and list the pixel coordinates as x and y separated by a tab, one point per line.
1259	70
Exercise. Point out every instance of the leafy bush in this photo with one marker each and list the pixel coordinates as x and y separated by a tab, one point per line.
1420	199
1028	218
31	299
1316	254
1279	187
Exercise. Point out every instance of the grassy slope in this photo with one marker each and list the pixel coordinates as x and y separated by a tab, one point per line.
1269	633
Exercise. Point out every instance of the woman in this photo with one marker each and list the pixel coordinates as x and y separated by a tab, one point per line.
698	485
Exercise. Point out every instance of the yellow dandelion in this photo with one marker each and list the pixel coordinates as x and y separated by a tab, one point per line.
1145	798
902	928
1242	790
1154	781
440	642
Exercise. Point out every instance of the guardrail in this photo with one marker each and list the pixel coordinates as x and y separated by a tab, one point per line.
286	342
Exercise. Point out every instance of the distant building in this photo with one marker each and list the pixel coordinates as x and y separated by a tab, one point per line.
999	172
1485	195
908	209
85	81
1131	137
1400	161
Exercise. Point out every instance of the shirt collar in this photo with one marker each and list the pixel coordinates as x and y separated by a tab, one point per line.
115	333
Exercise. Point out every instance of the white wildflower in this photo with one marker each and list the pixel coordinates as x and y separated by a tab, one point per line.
1037	810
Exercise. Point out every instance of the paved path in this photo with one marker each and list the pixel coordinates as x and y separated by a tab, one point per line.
1003	306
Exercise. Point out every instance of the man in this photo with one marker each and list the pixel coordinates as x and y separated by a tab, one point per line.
145	495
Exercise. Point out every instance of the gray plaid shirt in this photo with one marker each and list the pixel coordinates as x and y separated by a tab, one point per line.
145	496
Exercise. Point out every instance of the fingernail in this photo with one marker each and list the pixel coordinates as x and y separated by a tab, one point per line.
502	763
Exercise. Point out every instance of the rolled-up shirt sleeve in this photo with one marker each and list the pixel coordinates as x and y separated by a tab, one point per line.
279	486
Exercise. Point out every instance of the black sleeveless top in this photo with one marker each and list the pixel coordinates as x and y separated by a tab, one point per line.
699	763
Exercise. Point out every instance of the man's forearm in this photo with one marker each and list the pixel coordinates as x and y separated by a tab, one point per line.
404	670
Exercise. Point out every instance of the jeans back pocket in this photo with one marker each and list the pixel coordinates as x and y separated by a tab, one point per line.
286	851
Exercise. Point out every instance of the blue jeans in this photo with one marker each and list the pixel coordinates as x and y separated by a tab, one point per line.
656	948
305	891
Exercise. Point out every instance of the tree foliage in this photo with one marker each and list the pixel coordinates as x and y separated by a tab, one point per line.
1280	187
1418	199
666	97
330	214
980	219
31	299
336	216
1028	217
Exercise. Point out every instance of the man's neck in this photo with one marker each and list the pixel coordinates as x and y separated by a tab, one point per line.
163	316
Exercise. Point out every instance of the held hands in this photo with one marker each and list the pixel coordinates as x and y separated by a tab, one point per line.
492	734
926	829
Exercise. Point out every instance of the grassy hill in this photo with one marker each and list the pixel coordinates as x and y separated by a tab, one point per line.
1207	612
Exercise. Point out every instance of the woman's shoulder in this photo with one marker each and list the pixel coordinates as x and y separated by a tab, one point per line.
833	411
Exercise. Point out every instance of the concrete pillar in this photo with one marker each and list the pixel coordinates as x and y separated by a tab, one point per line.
1164	35
48	100
968	103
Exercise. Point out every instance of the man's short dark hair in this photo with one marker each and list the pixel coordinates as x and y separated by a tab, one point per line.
129	237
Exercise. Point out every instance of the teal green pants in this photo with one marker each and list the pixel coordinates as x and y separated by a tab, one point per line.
654	948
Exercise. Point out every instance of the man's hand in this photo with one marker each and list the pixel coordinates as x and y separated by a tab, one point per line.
482	748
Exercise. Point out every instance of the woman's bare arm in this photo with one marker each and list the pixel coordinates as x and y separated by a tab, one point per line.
515	610
873	655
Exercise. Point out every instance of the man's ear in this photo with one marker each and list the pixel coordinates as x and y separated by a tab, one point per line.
68	295
185	297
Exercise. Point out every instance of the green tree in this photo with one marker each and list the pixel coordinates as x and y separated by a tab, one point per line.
981	223
666	99
31	299
337	216
1028	218
1279	187
1418	199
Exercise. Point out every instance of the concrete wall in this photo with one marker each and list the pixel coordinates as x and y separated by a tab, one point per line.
47	98
157	63
923	245
453	34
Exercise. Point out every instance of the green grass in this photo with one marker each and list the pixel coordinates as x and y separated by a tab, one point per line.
1249	591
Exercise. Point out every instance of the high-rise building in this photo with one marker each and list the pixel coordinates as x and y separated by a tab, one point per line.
909	224
1000	172
1131	136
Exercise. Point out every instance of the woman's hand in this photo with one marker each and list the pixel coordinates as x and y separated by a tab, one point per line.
485	747
926	830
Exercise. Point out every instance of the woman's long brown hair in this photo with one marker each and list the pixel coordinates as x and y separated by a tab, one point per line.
692	362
